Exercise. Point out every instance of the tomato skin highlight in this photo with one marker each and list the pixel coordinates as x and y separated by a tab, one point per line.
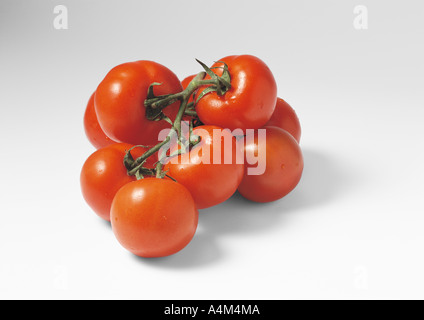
104	173
154	217
285	117
209	183
119	101
284	166
92	128
250	101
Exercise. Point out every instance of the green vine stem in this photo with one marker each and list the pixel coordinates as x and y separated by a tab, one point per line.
155	104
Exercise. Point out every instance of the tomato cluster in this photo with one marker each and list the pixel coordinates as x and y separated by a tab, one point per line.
168	148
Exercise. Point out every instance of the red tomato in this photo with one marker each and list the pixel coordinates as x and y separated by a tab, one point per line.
120	97
92	129
154	217
211	180
285	118
104	173
282	162
249	103
185	83
187	80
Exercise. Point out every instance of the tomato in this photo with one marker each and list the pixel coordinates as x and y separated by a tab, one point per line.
187	80
211	180
119	101
104	173
185	83
250	101
92	129
282	162
154	217
285	118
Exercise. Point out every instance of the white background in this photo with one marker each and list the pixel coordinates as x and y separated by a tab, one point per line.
352	229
